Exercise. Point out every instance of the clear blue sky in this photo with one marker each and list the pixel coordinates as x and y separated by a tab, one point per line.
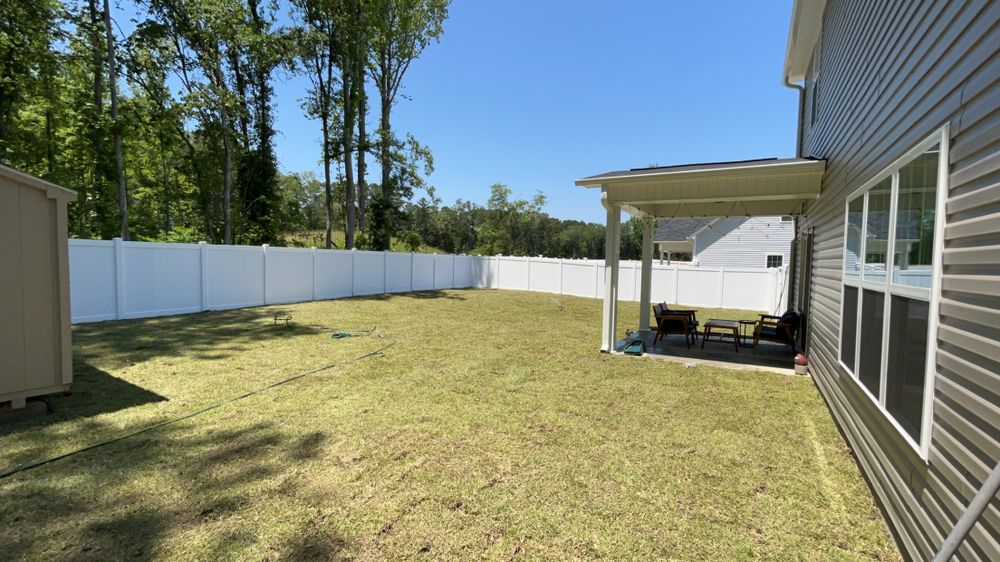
536	94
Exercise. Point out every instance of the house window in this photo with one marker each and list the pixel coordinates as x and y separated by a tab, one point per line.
894	228
774	260
814	107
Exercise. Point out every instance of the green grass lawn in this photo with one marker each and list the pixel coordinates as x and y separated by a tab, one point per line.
492	429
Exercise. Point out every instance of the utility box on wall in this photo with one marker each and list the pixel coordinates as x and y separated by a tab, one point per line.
35	339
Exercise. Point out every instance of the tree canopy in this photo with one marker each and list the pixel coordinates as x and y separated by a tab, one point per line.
164	125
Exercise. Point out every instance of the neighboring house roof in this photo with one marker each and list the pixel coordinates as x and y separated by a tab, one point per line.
878	225
678	230
803	32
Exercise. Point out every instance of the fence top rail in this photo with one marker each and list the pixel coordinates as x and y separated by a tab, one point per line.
284	250
90	242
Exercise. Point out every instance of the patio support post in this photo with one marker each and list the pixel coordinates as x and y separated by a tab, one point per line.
609	319
648	224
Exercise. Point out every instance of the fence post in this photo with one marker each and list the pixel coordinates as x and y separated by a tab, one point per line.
677	283
119	278
412	259
263	248
385	272
722	284
498	271
314	272
203	249
597	280
561	275
354	264
434	273
528	261
454	264
636	282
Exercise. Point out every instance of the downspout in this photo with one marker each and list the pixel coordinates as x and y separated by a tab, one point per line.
802	106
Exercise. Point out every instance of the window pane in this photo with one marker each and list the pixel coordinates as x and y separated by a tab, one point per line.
877	233
870	363
914	250
904	393
850	326
852	249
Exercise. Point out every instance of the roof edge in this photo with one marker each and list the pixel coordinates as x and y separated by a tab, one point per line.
803	32
683	169
52	190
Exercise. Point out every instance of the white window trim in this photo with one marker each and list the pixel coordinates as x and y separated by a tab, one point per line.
933	295
767	258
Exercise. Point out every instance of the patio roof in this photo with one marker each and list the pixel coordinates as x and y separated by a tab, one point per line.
769	186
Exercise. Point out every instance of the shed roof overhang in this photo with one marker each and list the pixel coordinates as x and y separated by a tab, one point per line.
751	187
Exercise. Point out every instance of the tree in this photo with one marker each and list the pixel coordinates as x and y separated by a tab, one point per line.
116	132
400	31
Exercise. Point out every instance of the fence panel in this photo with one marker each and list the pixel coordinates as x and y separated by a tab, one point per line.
513	273
398	273
290	275
579	278
698	287
233	277
334	274
545	275
747	289
92	280
115	279
664	287
444	271
482	272
160	279
463	271
369	272
423	272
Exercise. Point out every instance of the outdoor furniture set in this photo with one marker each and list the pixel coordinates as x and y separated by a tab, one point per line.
777	329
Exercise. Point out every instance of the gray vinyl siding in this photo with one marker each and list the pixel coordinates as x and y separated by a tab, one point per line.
892	73
744	242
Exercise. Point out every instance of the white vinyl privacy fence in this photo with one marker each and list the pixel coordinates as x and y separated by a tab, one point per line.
112	279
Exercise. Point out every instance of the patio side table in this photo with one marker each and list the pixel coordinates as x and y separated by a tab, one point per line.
746	334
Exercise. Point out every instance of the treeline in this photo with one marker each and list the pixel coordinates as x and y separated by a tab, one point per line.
513	227
166	131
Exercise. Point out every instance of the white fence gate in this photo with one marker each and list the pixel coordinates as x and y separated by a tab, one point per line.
112	279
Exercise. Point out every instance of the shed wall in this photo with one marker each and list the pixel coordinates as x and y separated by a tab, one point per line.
34	332
890	74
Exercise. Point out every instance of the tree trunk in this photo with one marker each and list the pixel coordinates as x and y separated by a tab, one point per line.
325	116
227	179
386	162
362	149
97	60
348	141
227	167
115	125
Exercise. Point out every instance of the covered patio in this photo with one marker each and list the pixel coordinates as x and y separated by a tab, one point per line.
715	190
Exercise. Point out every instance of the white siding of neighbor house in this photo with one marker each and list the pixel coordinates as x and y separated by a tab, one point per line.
744	242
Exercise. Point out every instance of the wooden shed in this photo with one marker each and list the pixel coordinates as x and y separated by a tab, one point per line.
35	341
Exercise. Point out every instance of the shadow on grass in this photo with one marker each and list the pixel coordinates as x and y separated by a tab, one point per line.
204	335
206	479
94	392
420	295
